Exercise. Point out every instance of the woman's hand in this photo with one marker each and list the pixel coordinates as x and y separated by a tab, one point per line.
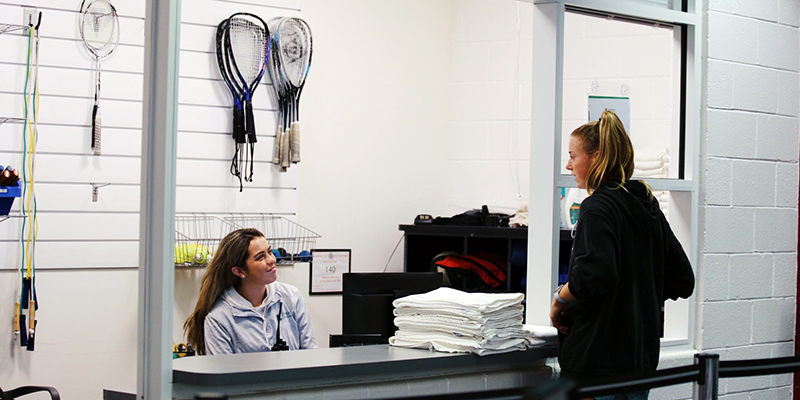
557	312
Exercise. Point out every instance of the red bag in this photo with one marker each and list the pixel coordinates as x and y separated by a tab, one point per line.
473	272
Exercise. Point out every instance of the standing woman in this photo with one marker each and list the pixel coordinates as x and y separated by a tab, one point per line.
240	302
625	263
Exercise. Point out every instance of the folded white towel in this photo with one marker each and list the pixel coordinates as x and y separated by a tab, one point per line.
457	331
493	343
659	173
540	335
446	297
434	321
649	165
482	317
456	345
651	153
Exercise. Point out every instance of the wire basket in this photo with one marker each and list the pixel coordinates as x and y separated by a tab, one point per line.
291	242
197	238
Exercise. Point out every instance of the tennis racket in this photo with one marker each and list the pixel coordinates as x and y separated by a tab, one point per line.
246	39
99	29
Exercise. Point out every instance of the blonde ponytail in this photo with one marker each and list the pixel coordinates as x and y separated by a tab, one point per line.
613	159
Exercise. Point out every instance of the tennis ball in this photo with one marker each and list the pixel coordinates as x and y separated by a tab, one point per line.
196	254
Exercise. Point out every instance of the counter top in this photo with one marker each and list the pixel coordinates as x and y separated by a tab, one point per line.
359	371
341	364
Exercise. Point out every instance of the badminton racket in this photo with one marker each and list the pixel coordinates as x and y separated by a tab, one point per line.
99	30
246	45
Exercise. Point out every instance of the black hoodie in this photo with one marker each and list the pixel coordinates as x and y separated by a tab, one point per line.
625	263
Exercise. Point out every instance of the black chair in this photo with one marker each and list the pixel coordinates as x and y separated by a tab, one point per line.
24	390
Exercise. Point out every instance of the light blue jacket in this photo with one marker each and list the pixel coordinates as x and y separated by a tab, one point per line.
235	326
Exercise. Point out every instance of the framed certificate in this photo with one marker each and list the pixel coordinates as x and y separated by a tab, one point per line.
327	267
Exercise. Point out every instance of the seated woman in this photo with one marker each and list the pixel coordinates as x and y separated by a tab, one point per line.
241	304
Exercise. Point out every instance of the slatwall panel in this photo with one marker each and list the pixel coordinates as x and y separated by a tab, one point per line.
87	252
75	232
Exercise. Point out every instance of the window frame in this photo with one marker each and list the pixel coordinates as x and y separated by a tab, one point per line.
546	117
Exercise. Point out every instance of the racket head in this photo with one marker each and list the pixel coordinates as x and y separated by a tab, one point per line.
98	26
294	44
246	39
221	61
273	62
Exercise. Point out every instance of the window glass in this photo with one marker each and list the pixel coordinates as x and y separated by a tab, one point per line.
631	67
676	208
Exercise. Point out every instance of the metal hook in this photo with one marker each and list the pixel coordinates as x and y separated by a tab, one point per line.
95	188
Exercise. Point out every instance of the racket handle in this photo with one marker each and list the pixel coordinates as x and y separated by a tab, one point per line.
97	127
276	148
250	123
238	125
295	142
285	149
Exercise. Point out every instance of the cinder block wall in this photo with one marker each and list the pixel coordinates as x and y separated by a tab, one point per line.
749	188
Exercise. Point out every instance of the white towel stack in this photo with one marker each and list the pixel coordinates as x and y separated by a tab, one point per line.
539	335
453	321
653	162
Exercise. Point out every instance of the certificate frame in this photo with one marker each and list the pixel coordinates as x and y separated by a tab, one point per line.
326	269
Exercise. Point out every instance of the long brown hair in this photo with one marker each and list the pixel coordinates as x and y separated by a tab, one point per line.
607	138
232	251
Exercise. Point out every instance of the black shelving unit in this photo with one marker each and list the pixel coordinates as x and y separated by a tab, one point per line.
424	242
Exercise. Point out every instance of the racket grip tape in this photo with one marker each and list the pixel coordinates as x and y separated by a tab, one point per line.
238	125
250	122
295	142
285	149
97	127
276	148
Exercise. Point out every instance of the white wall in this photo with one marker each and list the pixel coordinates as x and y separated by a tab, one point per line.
750	181
489	106
374	128
87	251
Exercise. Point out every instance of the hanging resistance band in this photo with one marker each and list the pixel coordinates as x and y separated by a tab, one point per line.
30	223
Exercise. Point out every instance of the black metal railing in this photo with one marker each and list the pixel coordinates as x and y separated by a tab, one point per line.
704	374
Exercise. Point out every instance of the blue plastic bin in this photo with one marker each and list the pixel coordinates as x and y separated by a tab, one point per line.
7	195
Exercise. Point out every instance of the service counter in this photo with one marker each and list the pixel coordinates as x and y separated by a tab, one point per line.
363	372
